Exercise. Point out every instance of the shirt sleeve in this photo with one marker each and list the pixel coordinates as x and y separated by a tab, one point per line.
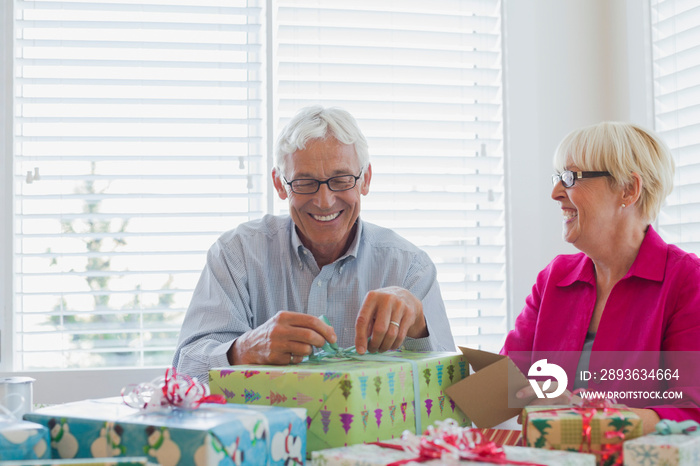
218	313
422	282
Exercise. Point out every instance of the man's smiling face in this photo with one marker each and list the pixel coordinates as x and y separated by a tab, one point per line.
324	220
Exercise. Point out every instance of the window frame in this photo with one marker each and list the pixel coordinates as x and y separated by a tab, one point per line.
6	187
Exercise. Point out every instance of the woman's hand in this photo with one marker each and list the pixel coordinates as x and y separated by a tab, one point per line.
529	397
649	419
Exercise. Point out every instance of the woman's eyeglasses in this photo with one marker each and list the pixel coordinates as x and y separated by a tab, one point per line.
568	178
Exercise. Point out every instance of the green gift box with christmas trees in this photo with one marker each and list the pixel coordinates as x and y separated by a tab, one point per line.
588	429
353	400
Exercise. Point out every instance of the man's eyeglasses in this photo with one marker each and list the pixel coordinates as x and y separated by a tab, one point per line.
568	178
311	186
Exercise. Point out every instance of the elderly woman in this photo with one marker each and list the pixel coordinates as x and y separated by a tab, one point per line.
628	300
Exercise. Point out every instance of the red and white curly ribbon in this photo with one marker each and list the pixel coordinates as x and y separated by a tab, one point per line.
450	443
171	391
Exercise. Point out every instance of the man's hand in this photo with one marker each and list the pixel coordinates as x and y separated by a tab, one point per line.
284	339
390	315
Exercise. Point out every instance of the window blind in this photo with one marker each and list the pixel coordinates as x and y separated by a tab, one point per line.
138	140
424	81
676	69
140	135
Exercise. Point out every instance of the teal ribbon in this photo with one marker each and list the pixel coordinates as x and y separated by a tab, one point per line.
668	427
327	352
330	352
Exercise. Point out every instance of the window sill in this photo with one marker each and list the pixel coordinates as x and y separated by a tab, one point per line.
53	387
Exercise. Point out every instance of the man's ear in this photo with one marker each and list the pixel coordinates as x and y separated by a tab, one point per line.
632	190
366	178
279	184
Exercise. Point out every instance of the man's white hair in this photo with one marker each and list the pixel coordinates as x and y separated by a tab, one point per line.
317	122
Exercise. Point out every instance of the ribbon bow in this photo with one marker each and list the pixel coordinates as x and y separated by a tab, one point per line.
331	350
588	408
668	427
449	442
172	391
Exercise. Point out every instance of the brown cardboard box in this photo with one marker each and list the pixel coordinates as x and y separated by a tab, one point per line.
486	394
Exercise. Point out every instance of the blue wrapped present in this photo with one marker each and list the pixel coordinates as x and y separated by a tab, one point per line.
22	440
211	435
125	461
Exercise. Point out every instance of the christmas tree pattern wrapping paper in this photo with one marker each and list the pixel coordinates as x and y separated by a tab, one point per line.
211	435
352	401
562	428
374	455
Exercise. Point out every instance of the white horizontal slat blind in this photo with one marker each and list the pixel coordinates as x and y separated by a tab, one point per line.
138	140
676	58
424	81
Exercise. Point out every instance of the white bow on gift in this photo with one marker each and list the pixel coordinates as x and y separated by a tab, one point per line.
172	391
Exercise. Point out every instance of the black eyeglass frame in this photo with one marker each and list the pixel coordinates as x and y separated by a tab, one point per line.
326	182
557	177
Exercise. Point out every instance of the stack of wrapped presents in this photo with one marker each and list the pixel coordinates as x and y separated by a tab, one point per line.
396	408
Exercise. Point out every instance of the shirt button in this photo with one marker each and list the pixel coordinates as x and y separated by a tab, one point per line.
320	283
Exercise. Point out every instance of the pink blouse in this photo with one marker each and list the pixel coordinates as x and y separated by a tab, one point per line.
652	312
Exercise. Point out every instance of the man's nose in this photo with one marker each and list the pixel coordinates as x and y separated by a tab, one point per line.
325	197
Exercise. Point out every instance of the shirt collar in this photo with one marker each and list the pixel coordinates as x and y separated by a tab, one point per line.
583	272
649	264
651	259
299	247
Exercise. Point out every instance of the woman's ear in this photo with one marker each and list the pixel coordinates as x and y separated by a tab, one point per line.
633	190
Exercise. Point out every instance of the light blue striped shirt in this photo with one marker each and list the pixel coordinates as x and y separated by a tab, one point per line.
261	267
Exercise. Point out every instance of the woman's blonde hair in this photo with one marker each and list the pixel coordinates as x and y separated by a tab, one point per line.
622	149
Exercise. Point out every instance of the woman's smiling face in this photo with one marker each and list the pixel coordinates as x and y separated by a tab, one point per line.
589	208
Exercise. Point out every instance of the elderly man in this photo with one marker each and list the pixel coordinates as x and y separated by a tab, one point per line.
266	282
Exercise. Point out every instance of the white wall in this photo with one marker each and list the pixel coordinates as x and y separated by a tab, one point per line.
568	63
